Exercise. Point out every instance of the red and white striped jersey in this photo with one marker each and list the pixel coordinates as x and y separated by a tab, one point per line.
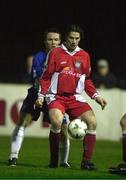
67	73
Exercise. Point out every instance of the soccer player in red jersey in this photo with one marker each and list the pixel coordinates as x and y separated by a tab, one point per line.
121	168
66	77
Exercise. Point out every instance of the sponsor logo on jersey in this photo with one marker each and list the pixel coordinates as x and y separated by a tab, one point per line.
69	71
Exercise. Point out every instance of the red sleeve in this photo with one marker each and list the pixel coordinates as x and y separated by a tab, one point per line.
89	86
46	77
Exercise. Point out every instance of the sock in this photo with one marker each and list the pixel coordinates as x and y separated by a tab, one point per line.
54	139
16	141
64	149
124	146
89	143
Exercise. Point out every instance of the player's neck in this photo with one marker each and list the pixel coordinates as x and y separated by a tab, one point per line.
68	48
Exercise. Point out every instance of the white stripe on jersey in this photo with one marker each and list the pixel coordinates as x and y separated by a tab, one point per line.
80	86
54	83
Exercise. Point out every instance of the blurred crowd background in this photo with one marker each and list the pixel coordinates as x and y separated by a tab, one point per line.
103	22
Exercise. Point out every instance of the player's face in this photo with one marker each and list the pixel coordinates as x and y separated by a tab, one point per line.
52	40
72	40
103	71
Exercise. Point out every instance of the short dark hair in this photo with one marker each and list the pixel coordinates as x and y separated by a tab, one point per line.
50	30
74	28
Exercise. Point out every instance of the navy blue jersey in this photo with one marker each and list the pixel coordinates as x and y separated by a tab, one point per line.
38	66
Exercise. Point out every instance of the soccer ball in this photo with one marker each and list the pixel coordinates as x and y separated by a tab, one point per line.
77	129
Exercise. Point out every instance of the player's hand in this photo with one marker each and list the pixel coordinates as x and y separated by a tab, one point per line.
101	101
39	102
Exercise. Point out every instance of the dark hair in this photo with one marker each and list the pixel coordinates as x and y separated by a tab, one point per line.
74	28
50	30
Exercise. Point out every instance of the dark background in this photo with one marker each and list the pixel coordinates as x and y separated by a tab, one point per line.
23	22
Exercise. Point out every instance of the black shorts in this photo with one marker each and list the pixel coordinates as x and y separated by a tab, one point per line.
28	105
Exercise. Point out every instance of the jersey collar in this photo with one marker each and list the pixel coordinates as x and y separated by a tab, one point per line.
70	53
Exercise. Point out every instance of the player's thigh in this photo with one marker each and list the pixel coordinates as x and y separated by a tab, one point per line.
56	111
56	117
25	119
123	122
90	119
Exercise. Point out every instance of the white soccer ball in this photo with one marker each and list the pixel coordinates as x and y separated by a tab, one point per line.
77	129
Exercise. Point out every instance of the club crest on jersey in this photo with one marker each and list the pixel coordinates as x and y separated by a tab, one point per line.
78	64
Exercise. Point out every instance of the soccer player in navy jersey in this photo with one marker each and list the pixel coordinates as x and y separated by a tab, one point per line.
69	68
28	111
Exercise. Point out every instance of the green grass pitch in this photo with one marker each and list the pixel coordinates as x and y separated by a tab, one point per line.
34	158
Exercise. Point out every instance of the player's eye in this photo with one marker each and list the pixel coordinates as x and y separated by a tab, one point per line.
49	39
